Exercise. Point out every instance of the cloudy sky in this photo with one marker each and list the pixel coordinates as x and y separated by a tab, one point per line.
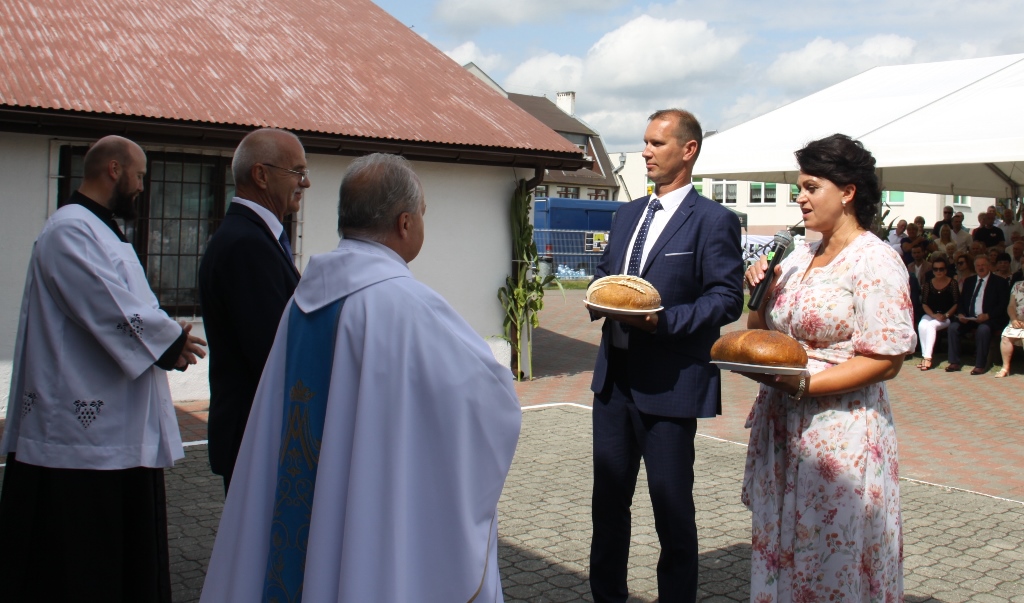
725	60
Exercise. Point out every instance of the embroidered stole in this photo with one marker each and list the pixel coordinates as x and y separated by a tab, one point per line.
309	360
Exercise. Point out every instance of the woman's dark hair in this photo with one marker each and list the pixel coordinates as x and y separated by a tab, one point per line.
842	161
1003	257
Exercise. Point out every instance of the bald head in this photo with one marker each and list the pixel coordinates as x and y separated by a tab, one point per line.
266	146
107	149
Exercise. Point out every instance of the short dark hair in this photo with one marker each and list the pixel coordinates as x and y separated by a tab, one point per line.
1003	257
376	189
687	126
843	161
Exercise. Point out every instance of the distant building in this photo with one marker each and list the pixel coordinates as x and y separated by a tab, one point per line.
771	207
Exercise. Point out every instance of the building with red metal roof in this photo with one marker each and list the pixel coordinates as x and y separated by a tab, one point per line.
187	80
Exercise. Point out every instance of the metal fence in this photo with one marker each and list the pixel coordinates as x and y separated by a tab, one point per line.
573	254
570	254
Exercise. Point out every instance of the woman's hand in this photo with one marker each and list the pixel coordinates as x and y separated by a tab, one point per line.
756	273
789	384
1018	324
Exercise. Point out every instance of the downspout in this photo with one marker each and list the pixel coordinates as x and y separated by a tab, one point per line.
622	164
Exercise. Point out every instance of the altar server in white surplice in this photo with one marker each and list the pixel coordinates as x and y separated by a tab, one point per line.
90	422
381	433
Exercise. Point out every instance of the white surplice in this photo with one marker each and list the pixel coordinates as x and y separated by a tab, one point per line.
420	430
85	393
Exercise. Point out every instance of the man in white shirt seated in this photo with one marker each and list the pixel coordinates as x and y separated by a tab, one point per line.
896	235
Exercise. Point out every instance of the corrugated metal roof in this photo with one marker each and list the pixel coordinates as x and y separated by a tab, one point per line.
337	67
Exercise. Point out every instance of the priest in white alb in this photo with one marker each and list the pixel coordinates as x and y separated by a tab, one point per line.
90	422
381	433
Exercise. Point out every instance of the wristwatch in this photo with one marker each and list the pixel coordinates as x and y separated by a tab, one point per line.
801	389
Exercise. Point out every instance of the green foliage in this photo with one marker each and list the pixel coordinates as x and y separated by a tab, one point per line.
522	297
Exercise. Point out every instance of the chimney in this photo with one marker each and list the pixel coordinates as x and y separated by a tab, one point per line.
566	101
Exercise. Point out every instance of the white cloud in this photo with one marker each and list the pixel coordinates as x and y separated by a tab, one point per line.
645	58
470	52
473	14
647	52
546	73
823	62
644	65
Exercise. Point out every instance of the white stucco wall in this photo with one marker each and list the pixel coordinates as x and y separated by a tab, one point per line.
24	201
466	253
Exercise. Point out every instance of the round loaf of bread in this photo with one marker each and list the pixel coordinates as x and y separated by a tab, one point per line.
623	292
758	346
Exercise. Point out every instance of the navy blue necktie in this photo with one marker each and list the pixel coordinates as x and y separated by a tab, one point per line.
283	239
641	237
974	298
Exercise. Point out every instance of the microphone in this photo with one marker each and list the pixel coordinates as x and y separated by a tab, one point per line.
776	249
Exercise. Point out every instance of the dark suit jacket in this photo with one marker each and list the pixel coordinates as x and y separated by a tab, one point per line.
997	298
245	281
697	267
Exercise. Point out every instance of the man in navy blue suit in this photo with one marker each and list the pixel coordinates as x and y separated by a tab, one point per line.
653	378
246	278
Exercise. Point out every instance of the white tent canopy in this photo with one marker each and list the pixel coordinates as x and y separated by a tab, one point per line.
955	127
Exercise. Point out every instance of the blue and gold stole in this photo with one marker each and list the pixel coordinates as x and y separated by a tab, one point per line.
309	360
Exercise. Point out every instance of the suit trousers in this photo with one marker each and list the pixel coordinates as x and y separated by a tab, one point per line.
982	341
622	436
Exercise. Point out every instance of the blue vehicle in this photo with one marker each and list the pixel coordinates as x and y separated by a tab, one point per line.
571	234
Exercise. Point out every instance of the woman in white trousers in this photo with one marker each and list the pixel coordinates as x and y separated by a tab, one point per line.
939	298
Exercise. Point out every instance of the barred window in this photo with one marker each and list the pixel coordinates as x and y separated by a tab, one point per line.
568	192
183	202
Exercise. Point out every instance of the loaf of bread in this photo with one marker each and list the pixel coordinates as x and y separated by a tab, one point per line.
757	346
623	292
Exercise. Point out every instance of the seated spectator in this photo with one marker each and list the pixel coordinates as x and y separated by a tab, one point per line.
945	237
1016	254
939	298
1003	266
950	250
977	248
947	220
1010	227
964	266
921	227
987	233
919	265
983	310
896	235
992	253
961	235
908	242
1013	334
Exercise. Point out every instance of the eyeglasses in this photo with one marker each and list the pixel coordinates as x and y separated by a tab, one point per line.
303	174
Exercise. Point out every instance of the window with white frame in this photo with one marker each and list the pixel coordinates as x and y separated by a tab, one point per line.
540	192
892	197
724	192
598	194
568	192
961	200
761	193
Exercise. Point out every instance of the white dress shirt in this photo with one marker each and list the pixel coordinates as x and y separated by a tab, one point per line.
670	202
981	294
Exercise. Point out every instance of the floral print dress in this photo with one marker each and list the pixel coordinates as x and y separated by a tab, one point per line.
821	475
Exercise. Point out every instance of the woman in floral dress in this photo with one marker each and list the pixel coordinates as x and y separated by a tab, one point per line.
821	475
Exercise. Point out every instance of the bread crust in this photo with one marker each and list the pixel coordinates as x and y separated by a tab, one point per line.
623	292
758	346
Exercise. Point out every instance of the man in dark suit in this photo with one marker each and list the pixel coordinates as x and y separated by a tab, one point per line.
653	378
982	308
246	278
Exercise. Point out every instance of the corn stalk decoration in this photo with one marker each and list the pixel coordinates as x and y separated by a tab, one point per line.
522	297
